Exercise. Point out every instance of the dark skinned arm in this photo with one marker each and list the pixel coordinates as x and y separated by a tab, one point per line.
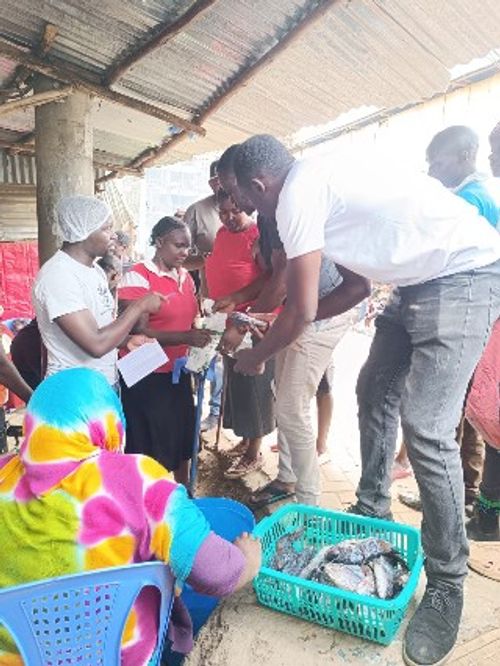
302	308
248	293
352	291
11	379
81	327
194	262
193	337
274	290
302	285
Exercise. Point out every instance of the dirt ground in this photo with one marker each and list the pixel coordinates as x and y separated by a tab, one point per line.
242	633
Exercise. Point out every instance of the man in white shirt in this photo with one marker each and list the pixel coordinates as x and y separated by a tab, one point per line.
444	259
74	307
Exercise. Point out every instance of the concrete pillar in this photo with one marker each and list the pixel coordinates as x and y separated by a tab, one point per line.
64	166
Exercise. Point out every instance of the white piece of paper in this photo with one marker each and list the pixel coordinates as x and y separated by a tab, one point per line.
141	362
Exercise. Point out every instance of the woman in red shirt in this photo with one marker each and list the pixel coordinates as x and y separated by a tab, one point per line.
160	414
234	265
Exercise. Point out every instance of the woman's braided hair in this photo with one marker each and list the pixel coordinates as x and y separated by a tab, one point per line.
164	226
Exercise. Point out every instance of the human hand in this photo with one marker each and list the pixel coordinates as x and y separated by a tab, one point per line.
226	304
246	364
252	551
231	340
137	340
198	337
151	303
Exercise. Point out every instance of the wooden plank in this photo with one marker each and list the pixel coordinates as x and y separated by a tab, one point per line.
35	100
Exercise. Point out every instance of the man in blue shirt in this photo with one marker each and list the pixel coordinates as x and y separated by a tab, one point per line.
451	156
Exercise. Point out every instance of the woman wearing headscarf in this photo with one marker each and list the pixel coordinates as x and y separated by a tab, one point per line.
71	501
73	304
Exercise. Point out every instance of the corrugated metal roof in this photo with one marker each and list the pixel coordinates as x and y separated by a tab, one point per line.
383	53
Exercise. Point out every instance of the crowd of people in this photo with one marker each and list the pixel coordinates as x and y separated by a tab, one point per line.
287	249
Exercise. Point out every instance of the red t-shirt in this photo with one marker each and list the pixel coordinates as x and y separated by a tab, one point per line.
232	264
179	310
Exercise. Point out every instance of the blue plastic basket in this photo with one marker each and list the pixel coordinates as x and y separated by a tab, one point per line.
367	617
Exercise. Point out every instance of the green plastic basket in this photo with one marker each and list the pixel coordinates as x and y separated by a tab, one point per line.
367	617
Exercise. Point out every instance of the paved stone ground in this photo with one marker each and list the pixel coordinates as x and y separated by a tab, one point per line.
241	632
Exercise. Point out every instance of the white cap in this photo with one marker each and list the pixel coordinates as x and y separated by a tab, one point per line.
80	216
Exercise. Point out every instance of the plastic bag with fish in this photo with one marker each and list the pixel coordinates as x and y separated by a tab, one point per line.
357	551
366	566
290	557
351	577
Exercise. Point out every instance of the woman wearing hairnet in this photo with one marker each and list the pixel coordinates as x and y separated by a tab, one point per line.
73	304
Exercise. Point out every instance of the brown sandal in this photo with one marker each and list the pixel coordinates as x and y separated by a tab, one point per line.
238	450
244	466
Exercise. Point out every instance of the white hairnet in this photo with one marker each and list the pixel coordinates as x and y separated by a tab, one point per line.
80	216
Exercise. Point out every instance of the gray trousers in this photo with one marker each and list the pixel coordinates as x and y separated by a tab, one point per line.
427	343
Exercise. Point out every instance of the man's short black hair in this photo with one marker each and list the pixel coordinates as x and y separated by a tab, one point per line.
226	160
122	238
261	155
459	137
214	168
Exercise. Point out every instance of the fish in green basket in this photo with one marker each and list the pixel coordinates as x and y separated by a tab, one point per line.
291	556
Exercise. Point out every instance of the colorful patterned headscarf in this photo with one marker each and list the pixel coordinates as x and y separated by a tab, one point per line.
71	501
71	417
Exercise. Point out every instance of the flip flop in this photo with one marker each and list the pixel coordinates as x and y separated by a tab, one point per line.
269	495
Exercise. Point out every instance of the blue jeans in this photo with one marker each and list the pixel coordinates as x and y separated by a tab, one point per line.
216	388
427	343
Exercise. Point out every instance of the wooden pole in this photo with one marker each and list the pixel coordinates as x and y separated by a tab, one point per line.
165	34
241	80
70	74
35	100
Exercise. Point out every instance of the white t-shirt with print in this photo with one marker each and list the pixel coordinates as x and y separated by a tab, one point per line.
63	286
396	228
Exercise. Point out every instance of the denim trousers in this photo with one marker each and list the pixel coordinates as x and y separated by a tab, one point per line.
216	388
427	343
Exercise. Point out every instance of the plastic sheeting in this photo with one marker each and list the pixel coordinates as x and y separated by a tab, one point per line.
18	269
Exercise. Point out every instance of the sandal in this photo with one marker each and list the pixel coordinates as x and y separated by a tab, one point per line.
238	450
411	500
270	494
243	466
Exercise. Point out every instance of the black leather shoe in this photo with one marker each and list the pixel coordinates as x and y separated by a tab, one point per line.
432	631
357	510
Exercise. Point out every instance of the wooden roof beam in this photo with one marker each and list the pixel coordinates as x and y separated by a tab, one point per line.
71	75
35	100
22	74
149	157
160	38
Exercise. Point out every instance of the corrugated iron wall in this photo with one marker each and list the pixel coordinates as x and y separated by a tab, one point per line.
17	169
18	212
